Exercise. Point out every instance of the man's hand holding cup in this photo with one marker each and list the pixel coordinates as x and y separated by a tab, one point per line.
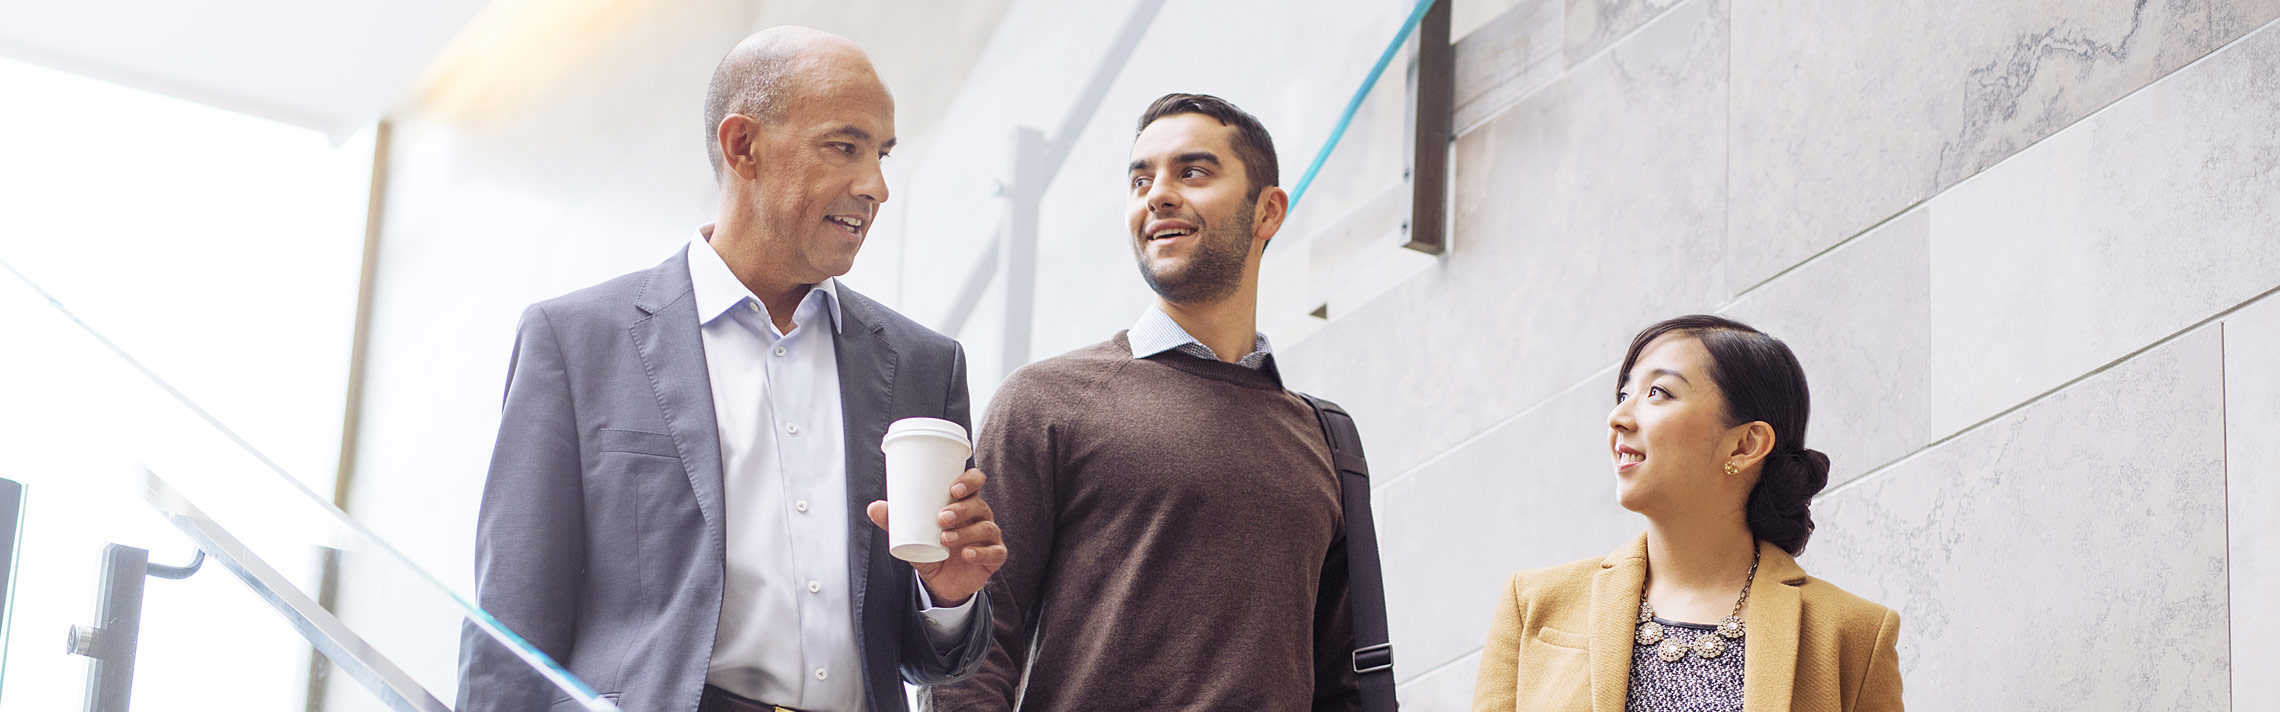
957	549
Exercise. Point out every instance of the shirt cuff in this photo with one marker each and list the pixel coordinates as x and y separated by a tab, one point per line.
945	627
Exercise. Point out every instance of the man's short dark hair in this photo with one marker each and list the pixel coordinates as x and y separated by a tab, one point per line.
752	84
1253	146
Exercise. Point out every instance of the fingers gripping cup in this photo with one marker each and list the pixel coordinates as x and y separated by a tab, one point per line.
924	456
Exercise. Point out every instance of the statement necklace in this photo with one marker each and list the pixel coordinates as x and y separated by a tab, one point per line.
1670	650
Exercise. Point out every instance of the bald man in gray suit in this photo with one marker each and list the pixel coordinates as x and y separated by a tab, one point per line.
683	506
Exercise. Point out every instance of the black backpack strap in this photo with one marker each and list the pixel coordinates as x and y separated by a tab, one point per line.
1365	592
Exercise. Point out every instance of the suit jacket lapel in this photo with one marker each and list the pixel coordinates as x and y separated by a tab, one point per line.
1614	619
673	355
866	402
1769	664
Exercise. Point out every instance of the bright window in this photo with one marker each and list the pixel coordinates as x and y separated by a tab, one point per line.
221	251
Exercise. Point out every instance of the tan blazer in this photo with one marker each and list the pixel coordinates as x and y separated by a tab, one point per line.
1562	640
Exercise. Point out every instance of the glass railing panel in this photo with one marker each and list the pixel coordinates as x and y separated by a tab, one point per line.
205	639
109	454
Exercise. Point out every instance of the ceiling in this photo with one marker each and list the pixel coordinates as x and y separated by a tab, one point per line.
332	65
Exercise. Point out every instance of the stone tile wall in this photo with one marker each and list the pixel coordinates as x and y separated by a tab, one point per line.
2026	252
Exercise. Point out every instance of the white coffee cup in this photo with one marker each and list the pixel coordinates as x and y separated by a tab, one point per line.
924	456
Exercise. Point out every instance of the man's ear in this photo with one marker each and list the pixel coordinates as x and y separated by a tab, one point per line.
1267	213
738	137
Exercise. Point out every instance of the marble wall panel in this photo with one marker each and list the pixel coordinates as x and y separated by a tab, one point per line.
2252	476
2069	555
1846	112
1593	25
1859	320
2155	214
1587	211
1538	490
1516	53
1348	264
1448	688
1468	18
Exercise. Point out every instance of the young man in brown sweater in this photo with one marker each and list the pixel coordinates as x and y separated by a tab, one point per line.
1171	511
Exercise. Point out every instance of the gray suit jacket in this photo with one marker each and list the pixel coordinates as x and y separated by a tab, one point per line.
600	538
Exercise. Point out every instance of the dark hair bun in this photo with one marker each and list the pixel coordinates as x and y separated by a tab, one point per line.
1780	506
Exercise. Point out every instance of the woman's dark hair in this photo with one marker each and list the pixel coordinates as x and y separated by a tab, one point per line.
1761	381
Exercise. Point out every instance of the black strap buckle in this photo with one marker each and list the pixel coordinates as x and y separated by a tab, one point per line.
1375	658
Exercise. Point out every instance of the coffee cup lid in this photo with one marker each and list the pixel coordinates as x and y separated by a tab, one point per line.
935	427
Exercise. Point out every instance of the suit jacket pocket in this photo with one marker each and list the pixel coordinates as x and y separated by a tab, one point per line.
1564	639
635	441
1555	671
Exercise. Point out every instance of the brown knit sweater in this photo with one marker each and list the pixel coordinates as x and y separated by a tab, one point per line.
1176	541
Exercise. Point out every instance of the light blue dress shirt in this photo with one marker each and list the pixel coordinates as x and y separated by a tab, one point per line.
1156	333
787	629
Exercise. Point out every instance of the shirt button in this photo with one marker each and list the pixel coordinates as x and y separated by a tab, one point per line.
791	428
815	587
781	351
800	505
753	306
820	674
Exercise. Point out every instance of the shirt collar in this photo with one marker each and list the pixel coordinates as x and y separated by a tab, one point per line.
1156	333
717	289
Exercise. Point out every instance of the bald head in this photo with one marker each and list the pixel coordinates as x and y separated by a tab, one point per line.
776	68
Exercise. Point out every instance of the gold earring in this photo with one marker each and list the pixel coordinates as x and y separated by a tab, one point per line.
1731	470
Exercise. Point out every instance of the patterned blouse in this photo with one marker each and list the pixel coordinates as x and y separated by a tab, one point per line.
1692	684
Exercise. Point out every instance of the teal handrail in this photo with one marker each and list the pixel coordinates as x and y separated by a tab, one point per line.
1416	16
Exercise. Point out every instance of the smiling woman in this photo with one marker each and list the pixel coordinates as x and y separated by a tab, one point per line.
1765	401
1708	609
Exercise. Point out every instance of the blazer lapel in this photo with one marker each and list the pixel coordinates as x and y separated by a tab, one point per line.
866	402
673	356
1769	663
1614	618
